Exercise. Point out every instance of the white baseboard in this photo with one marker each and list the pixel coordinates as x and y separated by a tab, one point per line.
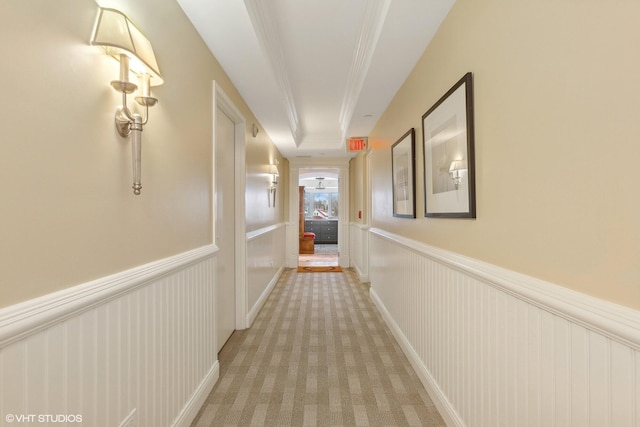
251	316
193	406
439	399
363	277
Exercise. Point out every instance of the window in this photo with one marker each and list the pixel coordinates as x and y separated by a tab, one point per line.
320	205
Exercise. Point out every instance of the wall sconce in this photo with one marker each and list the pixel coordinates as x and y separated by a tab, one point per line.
455	171
122	40
273	171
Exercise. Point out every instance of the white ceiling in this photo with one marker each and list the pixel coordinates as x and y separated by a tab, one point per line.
315	72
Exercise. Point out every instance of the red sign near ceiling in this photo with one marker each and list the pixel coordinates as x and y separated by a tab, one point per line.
357	144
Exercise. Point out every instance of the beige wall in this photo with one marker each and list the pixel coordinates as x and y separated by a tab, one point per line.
260	154
67	212
557	111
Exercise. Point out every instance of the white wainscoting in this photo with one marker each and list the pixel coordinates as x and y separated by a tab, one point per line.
142	339
497	348
359	239
265	263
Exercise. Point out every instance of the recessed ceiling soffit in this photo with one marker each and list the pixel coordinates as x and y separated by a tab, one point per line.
266	31
267	34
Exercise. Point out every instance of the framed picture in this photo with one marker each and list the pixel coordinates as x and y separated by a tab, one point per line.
403	165
449	169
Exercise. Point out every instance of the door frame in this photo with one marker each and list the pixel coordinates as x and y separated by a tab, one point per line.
222	101
293	243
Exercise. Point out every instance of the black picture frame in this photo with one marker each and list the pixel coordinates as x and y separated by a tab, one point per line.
403	167
448	151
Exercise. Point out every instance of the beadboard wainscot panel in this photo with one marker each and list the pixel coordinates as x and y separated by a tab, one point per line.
265	263
497	348
359	246
142	339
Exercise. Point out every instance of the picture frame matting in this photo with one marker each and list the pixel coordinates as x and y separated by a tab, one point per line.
448	150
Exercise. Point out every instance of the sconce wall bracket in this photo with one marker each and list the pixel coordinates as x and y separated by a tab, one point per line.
122	122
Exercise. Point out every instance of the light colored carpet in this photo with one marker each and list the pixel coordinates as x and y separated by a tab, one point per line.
318	354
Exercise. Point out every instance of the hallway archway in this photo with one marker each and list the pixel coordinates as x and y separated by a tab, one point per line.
341	165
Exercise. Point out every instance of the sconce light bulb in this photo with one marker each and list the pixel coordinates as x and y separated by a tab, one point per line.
124	85
124	68
146	87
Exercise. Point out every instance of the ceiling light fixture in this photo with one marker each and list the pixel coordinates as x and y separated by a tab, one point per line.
320	185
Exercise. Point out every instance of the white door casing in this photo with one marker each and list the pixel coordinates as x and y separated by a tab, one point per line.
225	226
342	165
222	103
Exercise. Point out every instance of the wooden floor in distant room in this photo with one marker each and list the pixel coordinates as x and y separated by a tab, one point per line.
325	255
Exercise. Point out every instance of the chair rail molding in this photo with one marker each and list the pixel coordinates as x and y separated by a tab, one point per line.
30	317
612	320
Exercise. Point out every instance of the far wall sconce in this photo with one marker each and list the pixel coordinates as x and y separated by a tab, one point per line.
455	171
254	130
273	171
122	40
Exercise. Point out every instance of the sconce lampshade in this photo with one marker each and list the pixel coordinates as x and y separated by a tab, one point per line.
118	35
273	170
457	165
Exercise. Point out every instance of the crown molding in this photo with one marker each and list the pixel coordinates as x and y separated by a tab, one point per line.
375	15
268	38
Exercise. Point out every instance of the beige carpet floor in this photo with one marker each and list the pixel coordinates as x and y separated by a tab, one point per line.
318	354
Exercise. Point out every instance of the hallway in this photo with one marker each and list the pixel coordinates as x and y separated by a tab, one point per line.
319	354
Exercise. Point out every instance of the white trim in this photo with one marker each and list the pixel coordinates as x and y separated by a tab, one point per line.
30	317
343	217
292	241
446	410
375	15
193	405
363	227
266	31
614	321
359	258
368	189
222	101
251	316
265	230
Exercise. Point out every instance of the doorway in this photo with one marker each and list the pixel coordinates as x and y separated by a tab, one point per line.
229	226
320	217
297	166
225	226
